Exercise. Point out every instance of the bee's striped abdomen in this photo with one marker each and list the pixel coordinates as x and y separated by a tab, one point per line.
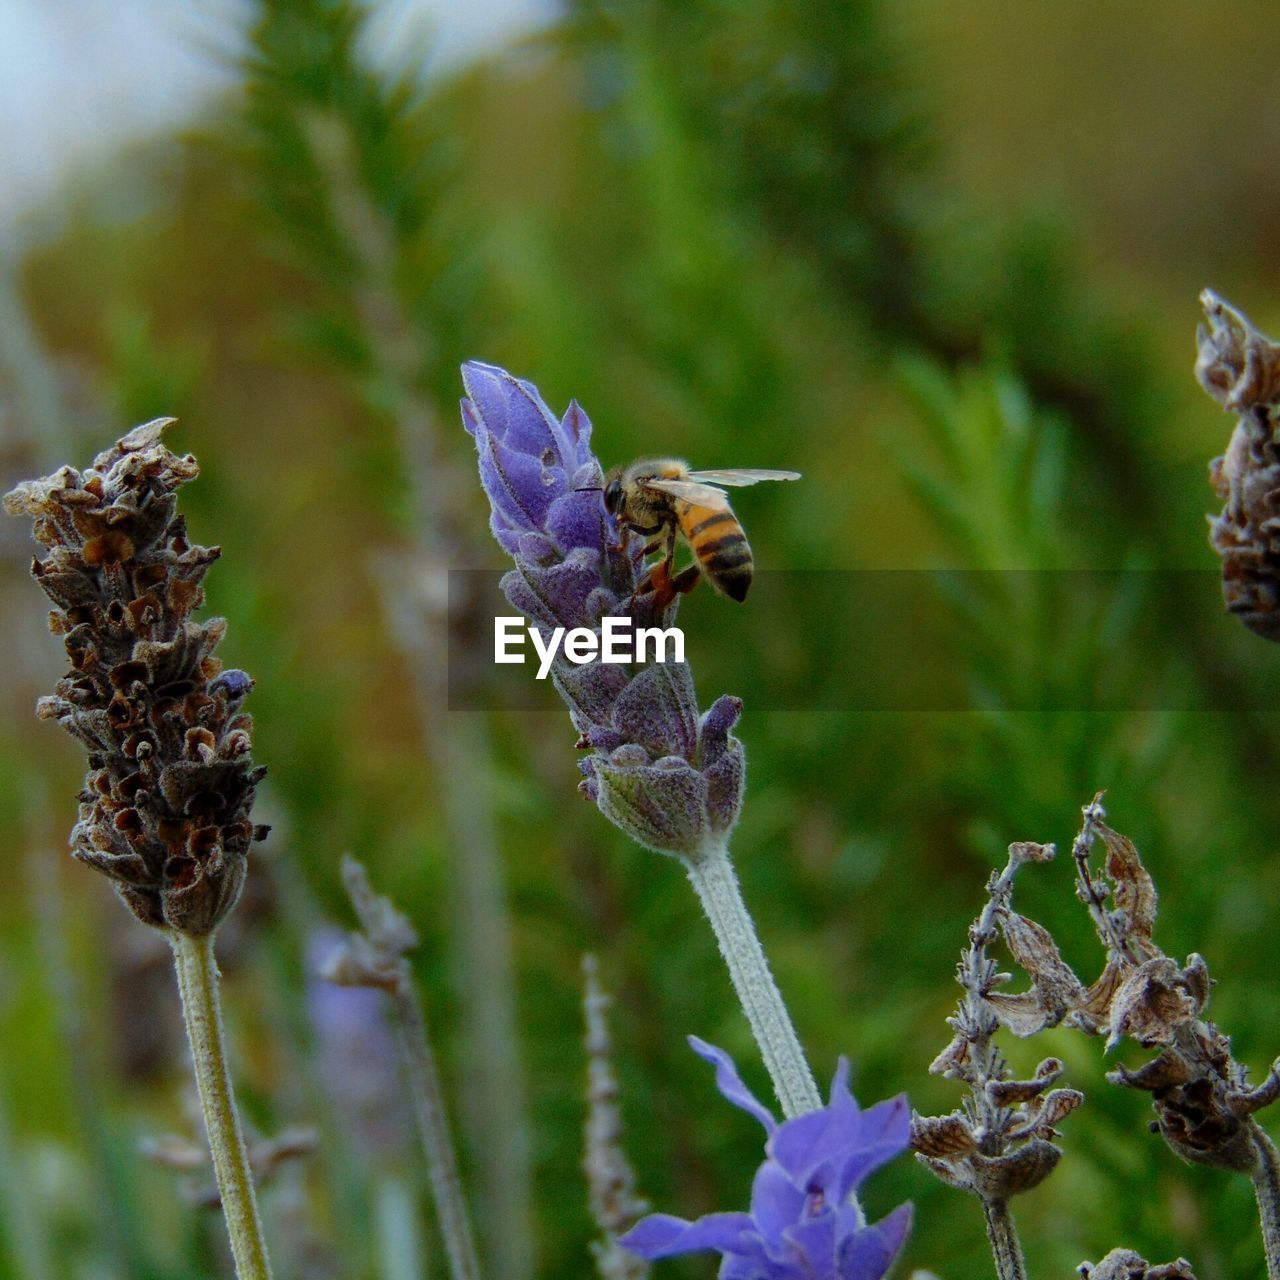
720	546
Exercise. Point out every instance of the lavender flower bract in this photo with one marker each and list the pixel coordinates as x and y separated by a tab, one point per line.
665	775
165	807
803	1223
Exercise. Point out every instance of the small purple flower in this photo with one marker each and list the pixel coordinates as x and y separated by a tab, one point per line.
668	776
805	1223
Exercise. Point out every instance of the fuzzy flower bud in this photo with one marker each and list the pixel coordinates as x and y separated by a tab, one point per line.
166	802
669	777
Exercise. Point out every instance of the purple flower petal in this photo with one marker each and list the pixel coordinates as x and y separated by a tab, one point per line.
658	709
729	1082
512	411
726	780
520	486
776	1201
576	520
812	1148
815	1239
591	691
869	1252
662	1236
537	548
755	1261
886	1127
508	537
470	416
577	430
521	592
713	731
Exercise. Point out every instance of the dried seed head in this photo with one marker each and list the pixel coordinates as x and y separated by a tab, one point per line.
165	810
1203	1106
1124	1264
1001	1143
615	1206
941	1137
1240	368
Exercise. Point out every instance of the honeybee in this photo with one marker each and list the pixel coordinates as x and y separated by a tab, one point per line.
661	499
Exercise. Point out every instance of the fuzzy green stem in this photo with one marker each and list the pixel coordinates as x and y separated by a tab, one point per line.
202	1010
1005	1245
712	875
433	1128
1266	1187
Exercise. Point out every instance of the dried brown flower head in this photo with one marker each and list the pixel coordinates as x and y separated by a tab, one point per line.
1124	1264
1001	1142
1204	1105
1240	369
165	810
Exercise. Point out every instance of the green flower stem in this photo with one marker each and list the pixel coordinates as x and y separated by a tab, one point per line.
1266	1186
712	875
202	1010
1005	1245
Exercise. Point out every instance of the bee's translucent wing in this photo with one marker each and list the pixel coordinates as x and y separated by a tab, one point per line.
738	476
702	495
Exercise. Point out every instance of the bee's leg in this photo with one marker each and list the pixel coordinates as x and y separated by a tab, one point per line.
658	537
659	578
686	580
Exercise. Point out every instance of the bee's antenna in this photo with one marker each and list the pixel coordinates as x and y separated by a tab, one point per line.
591	488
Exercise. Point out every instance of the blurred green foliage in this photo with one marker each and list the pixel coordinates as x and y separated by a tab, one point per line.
751	234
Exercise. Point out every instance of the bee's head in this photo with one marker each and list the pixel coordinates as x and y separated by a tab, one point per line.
613	492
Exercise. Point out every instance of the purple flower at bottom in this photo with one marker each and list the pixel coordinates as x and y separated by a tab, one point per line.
805	1223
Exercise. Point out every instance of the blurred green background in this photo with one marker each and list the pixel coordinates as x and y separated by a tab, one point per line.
943	259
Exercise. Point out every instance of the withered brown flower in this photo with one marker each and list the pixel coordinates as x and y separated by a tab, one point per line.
1240	368
1002	1141
1124	1264
165	810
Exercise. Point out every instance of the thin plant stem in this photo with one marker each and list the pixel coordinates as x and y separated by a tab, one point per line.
484	952
1005	1245
495	1109
1266	1187
716	884
399	1240
428	1104
202	1010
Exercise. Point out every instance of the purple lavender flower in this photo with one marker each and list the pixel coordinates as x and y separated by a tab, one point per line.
670	778
804	1223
